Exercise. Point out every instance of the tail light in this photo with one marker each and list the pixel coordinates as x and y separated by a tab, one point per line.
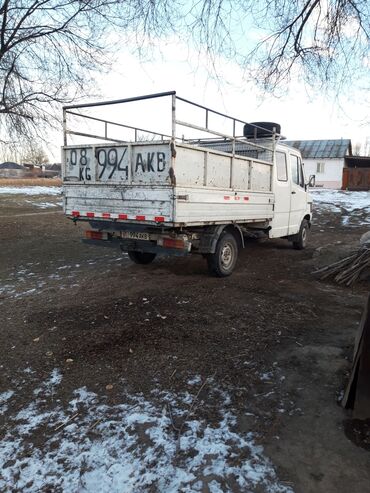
173	243
96	235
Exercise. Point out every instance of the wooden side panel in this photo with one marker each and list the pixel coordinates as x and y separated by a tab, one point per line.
356	179
345	179
357	394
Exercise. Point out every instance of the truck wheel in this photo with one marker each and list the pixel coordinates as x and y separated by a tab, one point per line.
141	257
222	262
301	240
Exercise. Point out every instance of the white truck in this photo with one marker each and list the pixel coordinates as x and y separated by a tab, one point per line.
159	193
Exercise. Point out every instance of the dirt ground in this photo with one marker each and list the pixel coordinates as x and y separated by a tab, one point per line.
272	336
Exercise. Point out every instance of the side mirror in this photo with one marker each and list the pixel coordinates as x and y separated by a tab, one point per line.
312	181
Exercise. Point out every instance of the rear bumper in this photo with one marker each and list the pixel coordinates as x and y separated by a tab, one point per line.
137	246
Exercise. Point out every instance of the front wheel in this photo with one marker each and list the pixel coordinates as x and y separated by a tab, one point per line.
300	242
222	262
141	257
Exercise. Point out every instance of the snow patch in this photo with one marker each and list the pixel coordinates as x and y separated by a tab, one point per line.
196	380
267	376
346	199
47	388
46	205
4	397
30	190
25	283
130	447
352	205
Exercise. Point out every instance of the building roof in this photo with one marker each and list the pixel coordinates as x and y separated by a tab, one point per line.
54	166
312	149
10	165
358	161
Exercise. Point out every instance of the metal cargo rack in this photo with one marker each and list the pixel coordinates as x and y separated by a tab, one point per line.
231	143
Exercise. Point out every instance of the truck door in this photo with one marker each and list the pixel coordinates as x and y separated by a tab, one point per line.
298	195
280	221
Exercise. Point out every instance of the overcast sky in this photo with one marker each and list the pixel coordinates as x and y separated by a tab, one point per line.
302	114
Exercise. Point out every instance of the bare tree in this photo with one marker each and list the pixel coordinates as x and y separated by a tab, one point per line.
367	147
325	42
41	60
51	49
35	154
9	154
356	149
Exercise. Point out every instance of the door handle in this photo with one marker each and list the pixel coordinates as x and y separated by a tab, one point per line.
293	193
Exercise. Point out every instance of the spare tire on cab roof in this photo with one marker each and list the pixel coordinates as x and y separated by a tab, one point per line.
261	129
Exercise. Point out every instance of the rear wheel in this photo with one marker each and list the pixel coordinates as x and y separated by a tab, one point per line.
141	257
301	240
222	262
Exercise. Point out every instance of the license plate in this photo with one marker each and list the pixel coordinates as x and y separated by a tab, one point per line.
133	235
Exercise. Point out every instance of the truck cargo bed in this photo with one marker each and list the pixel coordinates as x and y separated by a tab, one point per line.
150	182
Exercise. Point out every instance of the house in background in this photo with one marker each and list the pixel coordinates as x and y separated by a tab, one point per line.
14	170
10	169
325	159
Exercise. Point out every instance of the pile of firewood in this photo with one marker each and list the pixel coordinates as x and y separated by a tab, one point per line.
348	270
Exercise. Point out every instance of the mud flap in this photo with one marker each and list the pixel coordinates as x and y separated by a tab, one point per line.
210	237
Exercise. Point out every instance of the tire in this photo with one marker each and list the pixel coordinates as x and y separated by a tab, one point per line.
301	240
143	258
266	129
222	262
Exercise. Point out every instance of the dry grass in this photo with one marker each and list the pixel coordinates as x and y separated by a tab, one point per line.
30	182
